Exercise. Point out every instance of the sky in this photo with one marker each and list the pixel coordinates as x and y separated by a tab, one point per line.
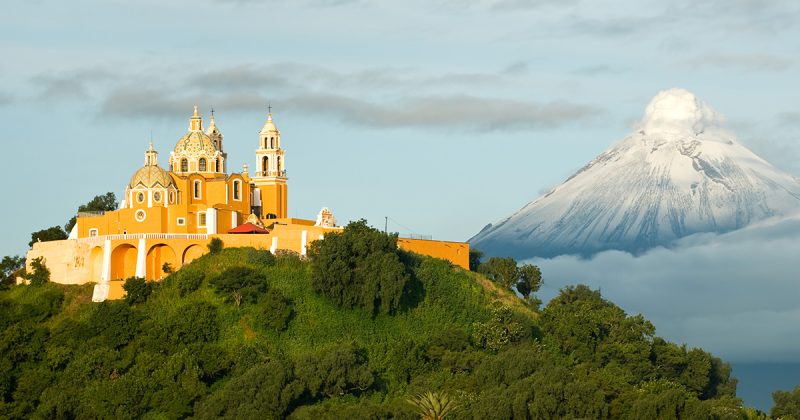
441	115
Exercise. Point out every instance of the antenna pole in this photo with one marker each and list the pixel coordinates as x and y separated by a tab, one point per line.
386	226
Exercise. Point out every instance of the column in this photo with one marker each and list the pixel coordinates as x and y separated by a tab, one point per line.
303	242
141	258
211	220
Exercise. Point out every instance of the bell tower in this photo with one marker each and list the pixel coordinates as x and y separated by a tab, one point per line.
270	195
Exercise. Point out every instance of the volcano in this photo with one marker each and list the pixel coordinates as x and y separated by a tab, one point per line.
679	173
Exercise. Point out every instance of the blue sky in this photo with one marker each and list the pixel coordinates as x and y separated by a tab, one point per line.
443	115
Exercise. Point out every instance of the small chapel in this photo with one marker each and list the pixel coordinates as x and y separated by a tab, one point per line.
167	216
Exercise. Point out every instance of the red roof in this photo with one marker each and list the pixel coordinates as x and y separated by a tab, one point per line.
248	228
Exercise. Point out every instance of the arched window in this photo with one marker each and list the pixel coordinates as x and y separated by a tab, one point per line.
279	165
202	164
218	165
237	190
196	189
264	166
184	165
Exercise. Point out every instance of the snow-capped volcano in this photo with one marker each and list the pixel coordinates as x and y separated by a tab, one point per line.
678	174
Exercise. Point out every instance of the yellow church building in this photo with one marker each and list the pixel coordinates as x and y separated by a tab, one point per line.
168	216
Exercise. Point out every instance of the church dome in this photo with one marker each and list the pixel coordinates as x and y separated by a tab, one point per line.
151	176
195	143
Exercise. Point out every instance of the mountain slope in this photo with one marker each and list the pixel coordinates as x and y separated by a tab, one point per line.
677	175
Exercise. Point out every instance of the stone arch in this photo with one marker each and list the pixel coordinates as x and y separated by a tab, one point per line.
96	263
123	262
157	255
193	252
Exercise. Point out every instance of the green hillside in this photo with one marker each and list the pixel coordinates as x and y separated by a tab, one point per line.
240	333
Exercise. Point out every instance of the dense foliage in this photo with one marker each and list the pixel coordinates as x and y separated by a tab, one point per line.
787	404
449	341
359	267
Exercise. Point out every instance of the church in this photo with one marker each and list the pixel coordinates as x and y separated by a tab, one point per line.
167	216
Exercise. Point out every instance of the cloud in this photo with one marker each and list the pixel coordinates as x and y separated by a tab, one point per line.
743	61
69	85
791	119
733	294
444	111
154	103
5	99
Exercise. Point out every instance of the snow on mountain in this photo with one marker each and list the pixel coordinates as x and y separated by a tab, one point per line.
678	174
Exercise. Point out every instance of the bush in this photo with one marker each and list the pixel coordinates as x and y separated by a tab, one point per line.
167	268
188	280
215	245
359	267
336	371
138	289
261	257
240	284
500	330
276	310
40	274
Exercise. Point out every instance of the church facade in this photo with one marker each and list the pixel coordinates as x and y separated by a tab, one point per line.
169	215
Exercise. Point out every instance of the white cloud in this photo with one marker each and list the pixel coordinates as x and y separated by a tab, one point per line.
735	295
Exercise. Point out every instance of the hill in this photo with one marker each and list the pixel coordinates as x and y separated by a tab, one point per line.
679	173
240	333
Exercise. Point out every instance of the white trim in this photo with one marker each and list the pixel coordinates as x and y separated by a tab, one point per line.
274	246
149	198
141	259
211	220
93	231
181	221
143	213
303	242
234	219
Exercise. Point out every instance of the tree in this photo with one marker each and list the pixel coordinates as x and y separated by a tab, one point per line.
787	404
530	280
475	256
40	274
10	268
359	267
215	245
105	202
501	270
138	289
54	233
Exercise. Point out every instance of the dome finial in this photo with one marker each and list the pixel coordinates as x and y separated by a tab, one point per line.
196	122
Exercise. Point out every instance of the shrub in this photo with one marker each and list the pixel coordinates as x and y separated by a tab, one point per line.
500	330
276	310
138	289
240	284
188	280
167	268
40	274
215	245
260	257
335	371
501	270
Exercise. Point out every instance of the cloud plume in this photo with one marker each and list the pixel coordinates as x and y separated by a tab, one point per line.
733	294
